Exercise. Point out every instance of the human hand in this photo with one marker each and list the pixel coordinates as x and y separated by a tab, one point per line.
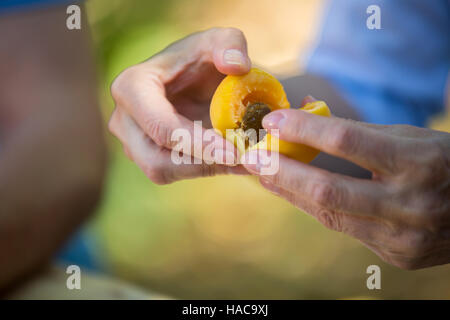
168	92
402	213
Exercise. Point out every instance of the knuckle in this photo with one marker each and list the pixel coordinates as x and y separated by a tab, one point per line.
229	31
294	128
426	211
331	220
213	30
325	193
119	85
115	89
284	177
431	165
234	32
158	131
344	140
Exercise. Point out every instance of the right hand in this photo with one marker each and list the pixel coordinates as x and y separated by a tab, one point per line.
171	90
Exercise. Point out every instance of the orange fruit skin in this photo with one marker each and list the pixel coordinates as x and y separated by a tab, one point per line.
235	93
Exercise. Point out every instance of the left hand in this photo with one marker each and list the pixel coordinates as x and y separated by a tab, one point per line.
168	92
402	213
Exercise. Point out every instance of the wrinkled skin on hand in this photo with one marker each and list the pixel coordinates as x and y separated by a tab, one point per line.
240	103
170	91
402	213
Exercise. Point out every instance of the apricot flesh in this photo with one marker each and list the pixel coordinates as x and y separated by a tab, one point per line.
241	102
235	93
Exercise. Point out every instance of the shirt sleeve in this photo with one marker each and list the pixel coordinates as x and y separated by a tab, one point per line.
393	75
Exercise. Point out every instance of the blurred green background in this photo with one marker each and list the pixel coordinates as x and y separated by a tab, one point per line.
225	237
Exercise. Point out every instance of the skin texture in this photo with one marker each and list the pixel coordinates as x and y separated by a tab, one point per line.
387	186
298	88
173	88
170	91
402	213
52	153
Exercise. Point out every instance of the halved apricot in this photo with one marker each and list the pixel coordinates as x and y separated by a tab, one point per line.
241	102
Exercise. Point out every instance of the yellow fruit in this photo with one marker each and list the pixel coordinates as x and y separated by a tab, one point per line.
240	102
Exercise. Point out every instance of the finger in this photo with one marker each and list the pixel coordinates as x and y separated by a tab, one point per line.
155	115
387	242
156	161
140	89
363	145
307	99
226	48
230	54
320	187
366	230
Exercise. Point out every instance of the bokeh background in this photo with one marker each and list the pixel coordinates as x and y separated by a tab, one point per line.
225	237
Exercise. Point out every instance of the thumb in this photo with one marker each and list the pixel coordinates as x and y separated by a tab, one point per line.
229	52
226	48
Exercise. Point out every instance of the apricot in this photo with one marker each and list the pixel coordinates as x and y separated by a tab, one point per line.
241	102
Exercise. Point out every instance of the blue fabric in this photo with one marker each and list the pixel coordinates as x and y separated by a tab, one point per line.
82	251
9	5
393	75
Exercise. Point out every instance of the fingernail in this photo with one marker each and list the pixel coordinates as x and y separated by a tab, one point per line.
234	57
309	98
274	120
